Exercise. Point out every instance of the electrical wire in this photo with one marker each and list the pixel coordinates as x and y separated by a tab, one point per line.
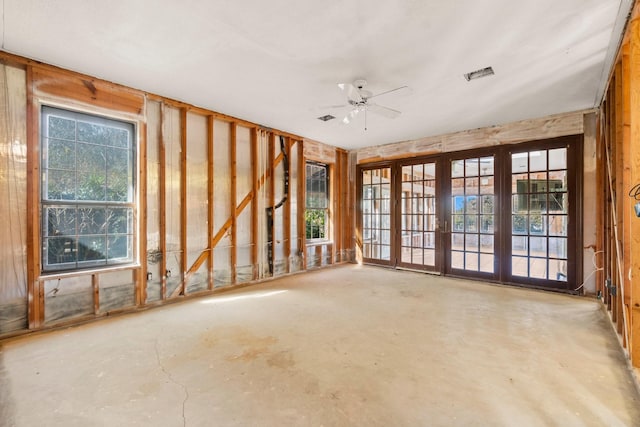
593	261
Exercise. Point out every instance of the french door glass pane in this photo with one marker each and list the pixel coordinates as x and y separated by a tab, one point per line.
376	214
418	214
539	220
472	214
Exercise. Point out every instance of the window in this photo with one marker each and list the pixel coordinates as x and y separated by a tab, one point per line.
87	190
317	201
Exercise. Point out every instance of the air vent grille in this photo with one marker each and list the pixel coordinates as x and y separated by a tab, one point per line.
479	74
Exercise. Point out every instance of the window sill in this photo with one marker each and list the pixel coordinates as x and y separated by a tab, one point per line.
49	275
318	242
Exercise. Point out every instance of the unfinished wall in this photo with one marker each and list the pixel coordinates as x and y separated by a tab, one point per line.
341	245
206	185
13	200
618	191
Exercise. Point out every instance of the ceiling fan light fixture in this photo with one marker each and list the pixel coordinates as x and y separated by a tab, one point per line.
326	118
484	72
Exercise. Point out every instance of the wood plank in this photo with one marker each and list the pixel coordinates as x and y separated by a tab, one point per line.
626	202
141	212
234	214
510	133
287	216
619	191
183	200
162	176
302	182
271	193
35	288
86	90
210	195
255	184
634	162
600	201
95	283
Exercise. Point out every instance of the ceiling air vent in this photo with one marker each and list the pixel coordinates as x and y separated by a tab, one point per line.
326	118
479	74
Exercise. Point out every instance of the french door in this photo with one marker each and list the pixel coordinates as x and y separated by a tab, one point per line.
508	214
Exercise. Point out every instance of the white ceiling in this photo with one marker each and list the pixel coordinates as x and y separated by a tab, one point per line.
275	62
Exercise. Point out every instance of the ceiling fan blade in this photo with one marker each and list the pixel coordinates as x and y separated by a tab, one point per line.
347	119
383	111
352	92
400	90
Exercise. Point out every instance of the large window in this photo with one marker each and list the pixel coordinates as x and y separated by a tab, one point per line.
317	201
87	190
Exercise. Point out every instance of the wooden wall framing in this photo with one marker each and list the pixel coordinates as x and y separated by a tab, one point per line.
618	191
48	85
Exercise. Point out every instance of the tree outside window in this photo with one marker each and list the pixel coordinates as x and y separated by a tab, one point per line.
317	201
87	190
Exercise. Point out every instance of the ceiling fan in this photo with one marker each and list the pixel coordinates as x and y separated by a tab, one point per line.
358	98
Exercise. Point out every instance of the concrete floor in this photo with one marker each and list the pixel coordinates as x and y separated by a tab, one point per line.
349	346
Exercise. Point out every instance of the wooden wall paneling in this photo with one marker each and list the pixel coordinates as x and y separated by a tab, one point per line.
510	133
233	197
211	190
35	288
140	274
302	203
634	162
254	206
163	201
87	90
287	216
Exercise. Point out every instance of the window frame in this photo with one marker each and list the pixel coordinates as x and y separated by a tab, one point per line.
127	206
326	209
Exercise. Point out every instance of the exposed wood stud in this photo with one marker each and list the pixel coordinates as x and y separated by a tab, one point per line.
35	291
163	202
211	190
302	180
272	191
95	283
183	200
141	276
233	197
287	218
633	160
255	184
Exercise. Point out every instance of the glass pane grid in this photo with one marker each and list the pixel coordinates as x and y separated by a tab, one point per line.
472	214
87	196
539	214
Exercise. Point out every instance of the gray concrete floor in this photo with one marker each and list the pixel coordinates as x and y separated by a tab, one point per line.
348	346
